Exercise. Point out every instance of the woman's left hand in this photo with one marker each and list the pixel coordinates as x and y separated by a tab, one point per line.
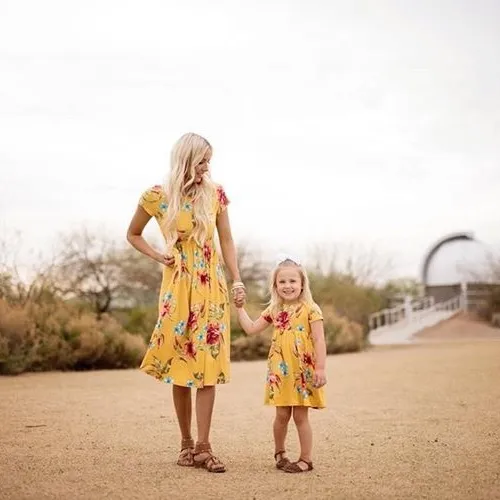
239	295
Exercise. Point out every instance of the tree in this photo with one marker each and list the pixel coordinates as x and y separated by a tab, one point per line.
352	264
93	268
402	287
14	287
254	271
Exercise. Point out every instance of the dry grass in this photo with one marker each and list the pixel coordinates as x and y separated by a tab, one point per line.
408	423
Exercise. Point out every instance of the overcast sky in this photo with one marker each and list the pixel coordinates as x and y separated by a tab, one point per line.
366	123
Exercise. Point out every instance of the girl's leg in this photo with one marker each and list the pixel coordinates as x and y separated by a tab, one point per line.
183	410
280	427
301	419
203	457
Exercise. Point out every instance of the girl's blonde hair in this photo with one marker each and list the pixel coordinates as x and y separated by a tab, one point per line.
305	295
187	153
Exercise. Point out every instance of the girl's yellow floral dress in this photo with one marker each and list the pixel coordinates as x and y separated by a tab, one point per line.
190	342
291	361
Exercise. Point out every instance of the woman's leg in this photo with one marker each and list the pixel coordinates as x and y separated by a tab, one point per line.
203	457
183	410
205	399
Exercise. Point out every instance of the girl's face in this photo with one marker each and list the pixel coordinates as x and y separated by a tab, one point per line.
289	284
202	168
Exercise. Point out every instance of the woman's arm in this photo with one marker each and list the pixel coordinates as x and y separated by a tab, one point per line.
134	237
227	245
318	335
251	327
229	255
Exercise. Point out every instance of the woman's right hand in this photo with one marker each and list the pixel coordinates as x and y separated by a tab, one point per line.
166	260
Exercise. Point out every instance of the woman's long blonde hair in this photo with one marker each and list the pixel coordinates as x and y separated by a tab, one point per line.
305	295
186	154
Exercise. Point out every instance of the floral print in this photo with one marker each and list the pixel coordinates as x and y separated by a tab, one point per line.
190	342
291	360
222	199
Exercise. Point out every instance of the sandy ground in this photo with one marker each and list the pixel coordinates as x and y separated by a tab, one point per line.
419	421
459	329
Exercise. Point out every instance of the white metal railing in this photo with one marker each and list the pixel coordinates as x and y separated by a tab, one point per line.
386	317
450	305
422	303
412	311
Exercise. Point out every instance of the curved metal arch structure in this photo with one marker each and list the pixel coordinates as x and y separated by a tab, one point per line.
433	250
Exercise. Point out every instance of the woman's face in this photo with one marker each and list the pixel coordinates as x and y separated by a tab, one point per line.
202	168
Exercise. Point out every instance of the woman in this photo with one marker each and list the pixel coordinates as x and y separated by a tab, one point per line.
190	343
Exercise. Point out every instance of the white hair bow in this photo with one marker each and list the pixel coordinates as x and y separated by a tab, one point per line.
282	257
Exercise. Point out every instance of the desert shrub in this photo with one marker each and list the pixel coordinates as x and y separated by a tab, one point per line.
341	334
139	320
60	336
17	339
252	347
348	299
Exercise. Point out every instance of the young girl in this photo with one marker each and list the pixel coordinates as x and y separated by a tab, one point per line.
296	362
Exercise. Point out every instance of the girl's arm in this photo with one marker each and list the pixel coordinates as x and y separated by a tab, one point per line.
229	255
251	327
318	334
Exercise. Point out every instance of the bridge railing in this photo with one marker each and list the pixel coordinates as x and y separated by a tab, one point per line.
412	310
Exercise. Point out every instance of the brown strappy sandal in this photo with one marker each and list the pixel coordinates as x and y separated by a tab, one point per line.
211	463
294	467
281	460
186	455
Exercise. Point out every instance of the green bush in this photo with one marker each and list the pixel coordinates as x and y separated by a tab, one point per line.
139	320
347	298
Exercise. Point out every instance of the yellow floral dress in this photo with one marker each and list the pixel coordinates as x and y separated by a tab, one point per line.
190	342
291	360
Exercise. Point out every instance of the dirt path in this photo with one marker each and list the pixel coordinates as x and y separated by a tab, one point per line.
411	422
459	328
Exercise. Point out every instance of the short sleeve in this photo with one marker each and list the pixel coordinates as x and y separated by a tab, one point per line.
315	313
152	200
266	314
222	199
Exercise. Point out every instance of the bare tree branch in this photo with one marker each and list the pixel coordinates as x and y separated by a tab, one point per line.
93	268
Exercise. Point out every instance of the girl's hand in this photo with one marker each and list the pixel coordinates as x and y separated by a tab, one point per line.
319	378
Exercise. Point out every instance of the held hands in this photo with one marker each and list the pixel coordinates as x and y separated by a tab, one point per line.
319	378
239	294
